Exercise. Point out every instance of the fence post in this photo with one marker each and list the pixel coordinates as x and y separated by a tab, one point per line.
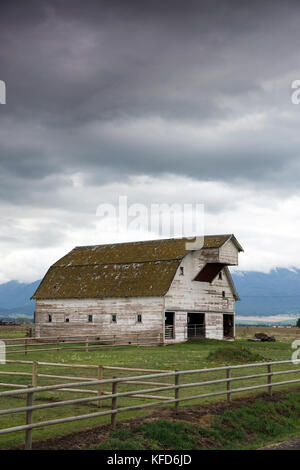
100	377
25	347
269	379
114	339
114	403
28	432
161	338
34	373
176	392
138	339
87	344
228	376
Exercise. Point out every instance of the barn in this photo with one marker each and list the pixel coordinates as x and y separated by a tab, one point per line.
164	287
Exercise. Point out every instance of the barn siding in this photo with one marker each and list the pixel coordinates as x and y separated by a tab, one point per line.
78	310
214	325
228	253
186	295
180	325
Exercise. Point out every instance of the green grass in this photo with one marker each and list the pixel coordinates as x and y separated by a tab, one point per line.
235	355
155	435
193	355
248	427
6	332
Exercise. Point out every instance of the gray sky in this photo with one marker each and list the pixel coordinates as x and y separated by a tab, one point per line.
164	102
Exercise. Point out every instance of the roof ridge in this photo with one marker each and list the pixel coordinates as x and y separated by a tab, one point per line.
155	240
126	262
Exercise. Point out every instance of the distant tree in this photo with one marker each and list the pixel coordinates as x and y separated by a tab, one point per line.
24	320
298	323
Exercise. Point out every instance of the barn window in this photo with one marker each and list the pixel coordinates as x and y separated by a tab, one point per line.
220	275
139	318
90	318
114	318
223	293
181	272
67	320
49	318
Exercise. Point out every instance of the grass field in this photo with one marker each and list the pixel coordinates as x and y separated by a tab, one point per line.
12	332
280	333
193	355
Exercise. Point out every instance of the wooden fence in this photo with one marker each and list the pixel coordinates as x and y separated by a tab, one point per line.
176	388
74	343
100	369
9	327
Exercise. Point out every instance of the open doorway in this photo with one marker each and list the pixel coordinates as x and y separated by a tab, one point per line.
228	326
169	325
195	325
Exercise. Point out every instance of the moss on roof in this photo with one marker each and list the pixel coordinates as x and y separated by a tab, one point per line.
108	280
119	270
153	250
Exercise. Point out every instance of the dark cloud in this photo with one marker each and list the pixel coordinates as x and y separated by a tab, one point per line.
68	64
101	92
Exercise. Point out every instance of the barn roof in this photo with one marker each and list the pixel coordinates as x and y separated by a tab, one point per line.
132	269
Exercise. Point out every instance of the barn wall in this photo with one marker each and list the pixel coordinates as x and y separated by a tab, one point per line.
77	310
214	326
180	324
228	253
186	295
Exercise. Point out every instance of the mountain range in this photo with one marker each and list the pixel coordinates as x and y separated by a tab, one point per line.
262	294
15	299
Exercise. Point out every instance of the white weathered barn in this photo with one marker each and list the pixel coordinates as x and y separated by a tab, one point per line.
158	286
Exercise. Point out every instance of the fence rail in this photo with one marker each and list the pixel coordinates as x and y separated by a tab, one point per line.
177	386
35	367
169	332
78	342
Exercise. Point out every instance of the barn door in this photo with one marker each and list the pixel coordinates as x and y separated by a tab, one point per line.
228	325
195	325
169	325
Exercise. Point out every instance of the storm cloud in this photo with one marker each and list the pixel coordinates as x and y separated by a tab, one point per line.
161	101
